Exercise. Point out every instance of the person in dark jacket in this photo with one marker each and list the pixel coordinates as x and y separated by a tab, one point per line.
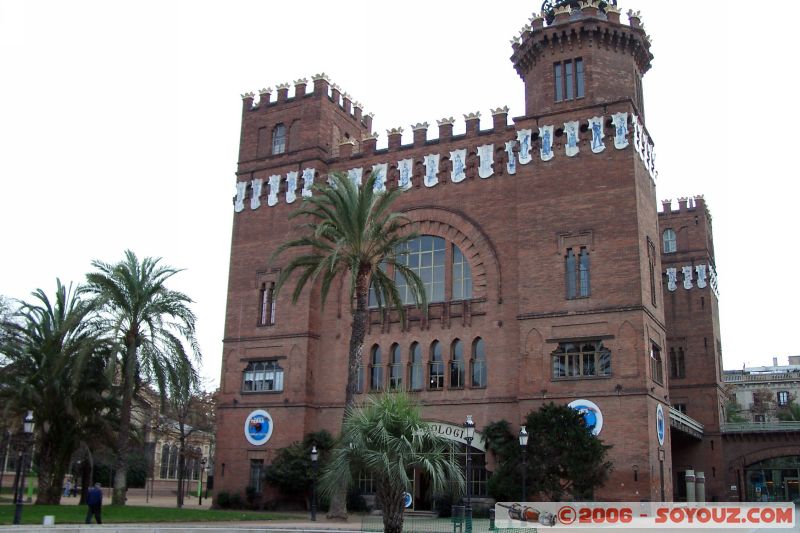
94	499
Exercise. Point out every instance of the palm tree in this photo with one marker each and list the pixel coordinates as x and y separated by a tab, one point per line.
151	322
55	366
387	439
352	231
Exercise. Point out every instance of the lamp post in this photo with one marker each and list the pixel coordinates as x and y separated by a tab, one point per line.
27	428
469	434
314	463
523	448
200	485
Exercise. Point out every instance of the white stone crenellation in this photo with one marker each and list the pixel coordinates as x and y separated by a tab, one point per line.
518	150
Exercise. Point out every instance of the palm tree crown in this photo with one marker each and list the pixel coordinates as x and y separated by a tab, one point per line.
388	439
54	364
151	322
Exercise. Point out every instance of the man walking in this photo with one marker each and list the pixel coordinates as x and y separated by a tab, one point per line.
94	499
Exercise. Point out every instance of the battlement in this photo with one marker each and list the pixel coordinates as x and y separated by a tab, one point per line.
688	204
322	88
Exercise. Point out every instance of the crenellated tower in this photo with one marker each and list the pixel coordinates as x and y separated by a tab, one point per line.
578	54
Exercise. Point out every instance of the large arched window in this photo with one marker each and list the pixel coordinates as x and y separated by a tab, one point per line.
396	369
670	241
436	366
279	139
426	256
415	370
173	462
376	370
457	364
478	363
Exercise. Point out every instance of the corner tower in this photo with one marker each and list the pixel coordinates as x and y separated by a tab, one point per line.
584	56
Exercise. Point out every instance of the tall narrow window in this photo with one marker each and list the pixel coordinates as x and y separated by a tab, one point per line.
173	462
457	365
478	363
651	262
576	270
677	363
579	82
267	299
164	461
360	378
376	370
436	366
656	366
462	276
415	370
279	139
569	77
670	241
396	369
783	398
569	80
570	274
558	77
583	279
256	474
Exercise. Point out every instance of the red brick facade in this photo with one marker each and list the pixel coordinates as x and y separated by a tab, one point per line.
515	230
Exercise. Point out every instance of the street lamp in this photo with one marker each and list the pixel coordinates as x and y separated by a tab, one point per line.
523	448
469	434
314	463
22	469
200	485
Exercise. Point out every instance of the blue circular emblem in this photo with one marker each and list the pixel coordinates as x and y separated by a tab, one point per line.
406	500
660	429
592	416
258	427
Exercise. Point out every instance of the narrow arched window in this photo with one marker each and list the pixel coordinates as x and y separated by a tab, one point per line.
479	371
462	276
173	462
670	241
415	369
164	461
396	369
376	370
436	366
279	139
457	364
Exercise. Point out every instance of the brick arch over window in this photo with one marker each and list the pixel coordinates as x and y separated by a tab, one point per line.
459	229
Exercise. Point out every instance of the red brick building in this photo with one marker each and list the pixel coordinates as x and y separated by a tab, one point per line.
541	247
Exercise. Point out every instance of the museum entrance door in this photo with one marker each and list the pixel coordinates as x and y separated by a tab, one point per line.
422	491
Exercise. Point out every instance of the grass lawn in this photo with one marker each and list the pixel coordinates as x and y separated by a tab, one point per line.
115	514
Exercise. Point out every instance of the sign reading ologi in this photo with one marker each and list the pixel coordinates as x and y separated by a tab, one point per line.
456	433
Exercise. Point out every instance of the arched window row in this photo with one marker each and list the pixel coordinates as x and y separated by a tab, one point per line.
435	367
170	457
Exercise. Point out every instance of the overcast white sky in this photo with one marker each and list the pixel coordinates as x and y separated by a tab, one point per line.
119	127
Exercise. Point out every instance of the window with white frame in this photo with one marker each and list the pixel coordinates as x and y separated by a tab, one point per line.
262	376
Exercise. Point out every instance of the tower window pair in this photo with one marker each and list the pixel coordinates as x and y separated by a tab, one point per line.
577	273
569	81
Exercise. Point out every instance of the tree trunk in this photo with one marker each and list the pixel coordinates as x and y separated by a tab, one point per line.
181	469
338	507
50	471
123	439
390	500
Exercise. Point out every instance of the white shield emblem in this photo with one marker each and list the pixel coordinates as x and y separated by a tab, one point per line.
459	160
571	131
596	126
291	187
546	137
255	200
620	121
511	166
308	181
355	175
431	170
274	185
486	156
241	190
525	145
405	167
